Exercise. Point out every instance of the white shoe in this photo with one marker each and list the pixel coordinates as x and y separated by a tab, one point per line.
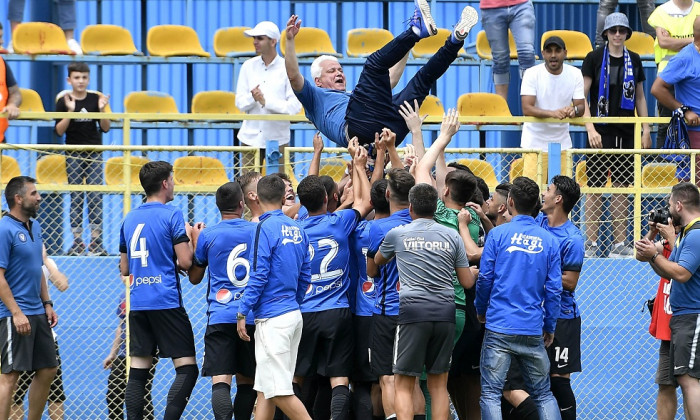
74	46
10	49
466	22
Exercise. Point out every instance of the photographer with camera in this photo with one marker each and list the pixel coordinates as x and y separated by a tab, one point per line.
682	267
661	224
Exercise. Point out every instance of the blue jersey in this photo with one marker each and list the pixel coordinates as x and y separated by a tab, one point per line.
280	268
224	248
685	297
362	299
21	257
329	245
386	301
147	237
326	109
519	284
571	252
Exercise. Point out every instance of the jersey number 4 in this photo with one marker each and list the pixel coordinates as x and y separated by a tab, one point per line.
138	241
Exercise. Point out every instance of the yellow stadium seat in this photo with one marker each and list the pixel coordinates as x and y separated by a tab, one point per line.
364	41
107	40
114	170
431	106
482	104
426	47
641	43
483	48
581	175
173	41
150	102
578	45
215	102
39	38
310	42
333	167
482	169
659	175
517	167
63	92
31	101
9	168
51	169
232	42
199	170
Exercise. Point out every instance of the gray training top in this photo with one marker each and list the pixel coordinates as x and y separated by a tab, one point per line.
426	255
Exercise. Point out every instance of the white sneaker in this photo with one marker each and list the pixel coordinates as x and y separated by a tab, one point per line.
10	49
466	22
74	46
621	251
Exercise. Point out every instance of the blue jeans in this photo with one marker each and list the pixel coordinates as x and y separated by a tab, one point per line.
521	21
372	106
496	353
606	7
66	12
85	166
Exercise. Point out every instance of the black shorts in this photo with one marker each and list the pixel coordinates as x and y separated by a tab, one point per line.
225	353
383	333
664	370
685	338
565	352
326	345
466	356
423	344
362	372
56	392
620	167
514	378
166	333
27	352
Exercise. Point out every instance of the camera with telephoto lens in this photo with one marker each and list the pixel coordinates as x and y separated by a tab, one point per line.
660	215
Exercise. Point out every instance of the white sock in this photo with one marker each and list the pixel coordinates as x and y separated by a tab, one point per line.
416	31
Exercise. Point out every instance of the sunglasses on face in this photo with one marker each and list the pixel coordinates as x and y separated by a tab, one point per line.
618	30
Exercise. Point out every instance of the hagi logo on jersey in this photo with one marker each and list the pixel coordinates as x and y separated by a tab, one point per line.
525	243
292	235
22	237
368	286
225	296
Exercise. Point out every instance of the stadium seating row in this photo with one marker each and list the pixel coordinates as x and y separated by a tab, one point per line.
177	40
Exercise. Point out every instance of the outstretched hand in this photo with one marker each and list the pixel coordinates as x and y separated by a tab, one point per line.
293	26
410	114
450	123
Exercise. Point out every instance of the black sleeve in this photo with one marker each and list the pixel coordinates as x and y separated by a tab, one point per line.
358	216
588	66
637	67
61	105
9	77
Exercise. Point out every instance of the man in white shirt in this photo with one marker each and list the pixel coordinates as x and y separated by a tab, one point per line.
551	90
263	88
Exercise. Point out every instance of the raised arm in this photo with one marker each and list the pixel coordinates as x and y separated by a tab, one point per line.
450	126
296	80
414	122
315	166
361	187
389	138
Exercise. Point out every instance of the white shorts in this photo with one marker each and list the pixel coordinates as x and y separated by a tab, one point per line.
276	346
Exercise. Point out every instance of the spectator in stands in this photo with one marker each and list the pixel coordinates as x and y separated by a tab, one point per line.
683	266
666	398
516	317
274	296
673	22
66	20
606	7
617	77
10	96
341	115
497	18
83	166
263	88
547	91
116	363
25	307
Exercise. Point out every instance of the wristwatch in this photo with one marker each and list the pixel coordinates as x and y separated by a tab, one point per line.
654	257
47	302
683	109
240	316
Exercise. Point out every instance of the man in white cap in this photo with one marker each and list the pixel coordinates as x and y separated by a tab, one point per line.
263	88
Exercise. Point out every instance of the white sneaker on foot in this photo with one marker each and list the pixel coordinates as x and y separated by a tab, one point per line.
74	46
422	20
466	22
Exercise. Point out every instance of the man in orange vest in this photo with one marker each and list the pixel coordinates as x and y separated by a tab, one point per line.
10	97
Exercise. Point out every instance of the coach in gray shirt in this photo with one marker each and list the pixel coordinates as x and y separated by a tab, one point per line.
426	253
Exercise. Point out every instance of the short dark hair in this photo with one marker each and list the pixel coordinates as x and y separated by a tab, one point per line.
399	184
503	188
329	184
247	179
17	185
461	185
525	194
483	187
311	193
686	193
377	194
78	67
228	196
423	199
569	190
282	176
152	174
458	166
271	189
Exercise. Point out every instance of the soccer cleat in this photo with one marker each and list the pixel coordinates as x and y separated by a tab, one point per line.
422	20
466	22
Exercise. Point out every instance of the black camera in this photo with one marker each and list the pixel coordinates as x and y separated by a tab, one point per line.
660	215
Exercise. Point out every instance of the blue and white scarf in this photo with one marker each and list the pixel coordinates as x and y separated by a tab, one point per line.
628	87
